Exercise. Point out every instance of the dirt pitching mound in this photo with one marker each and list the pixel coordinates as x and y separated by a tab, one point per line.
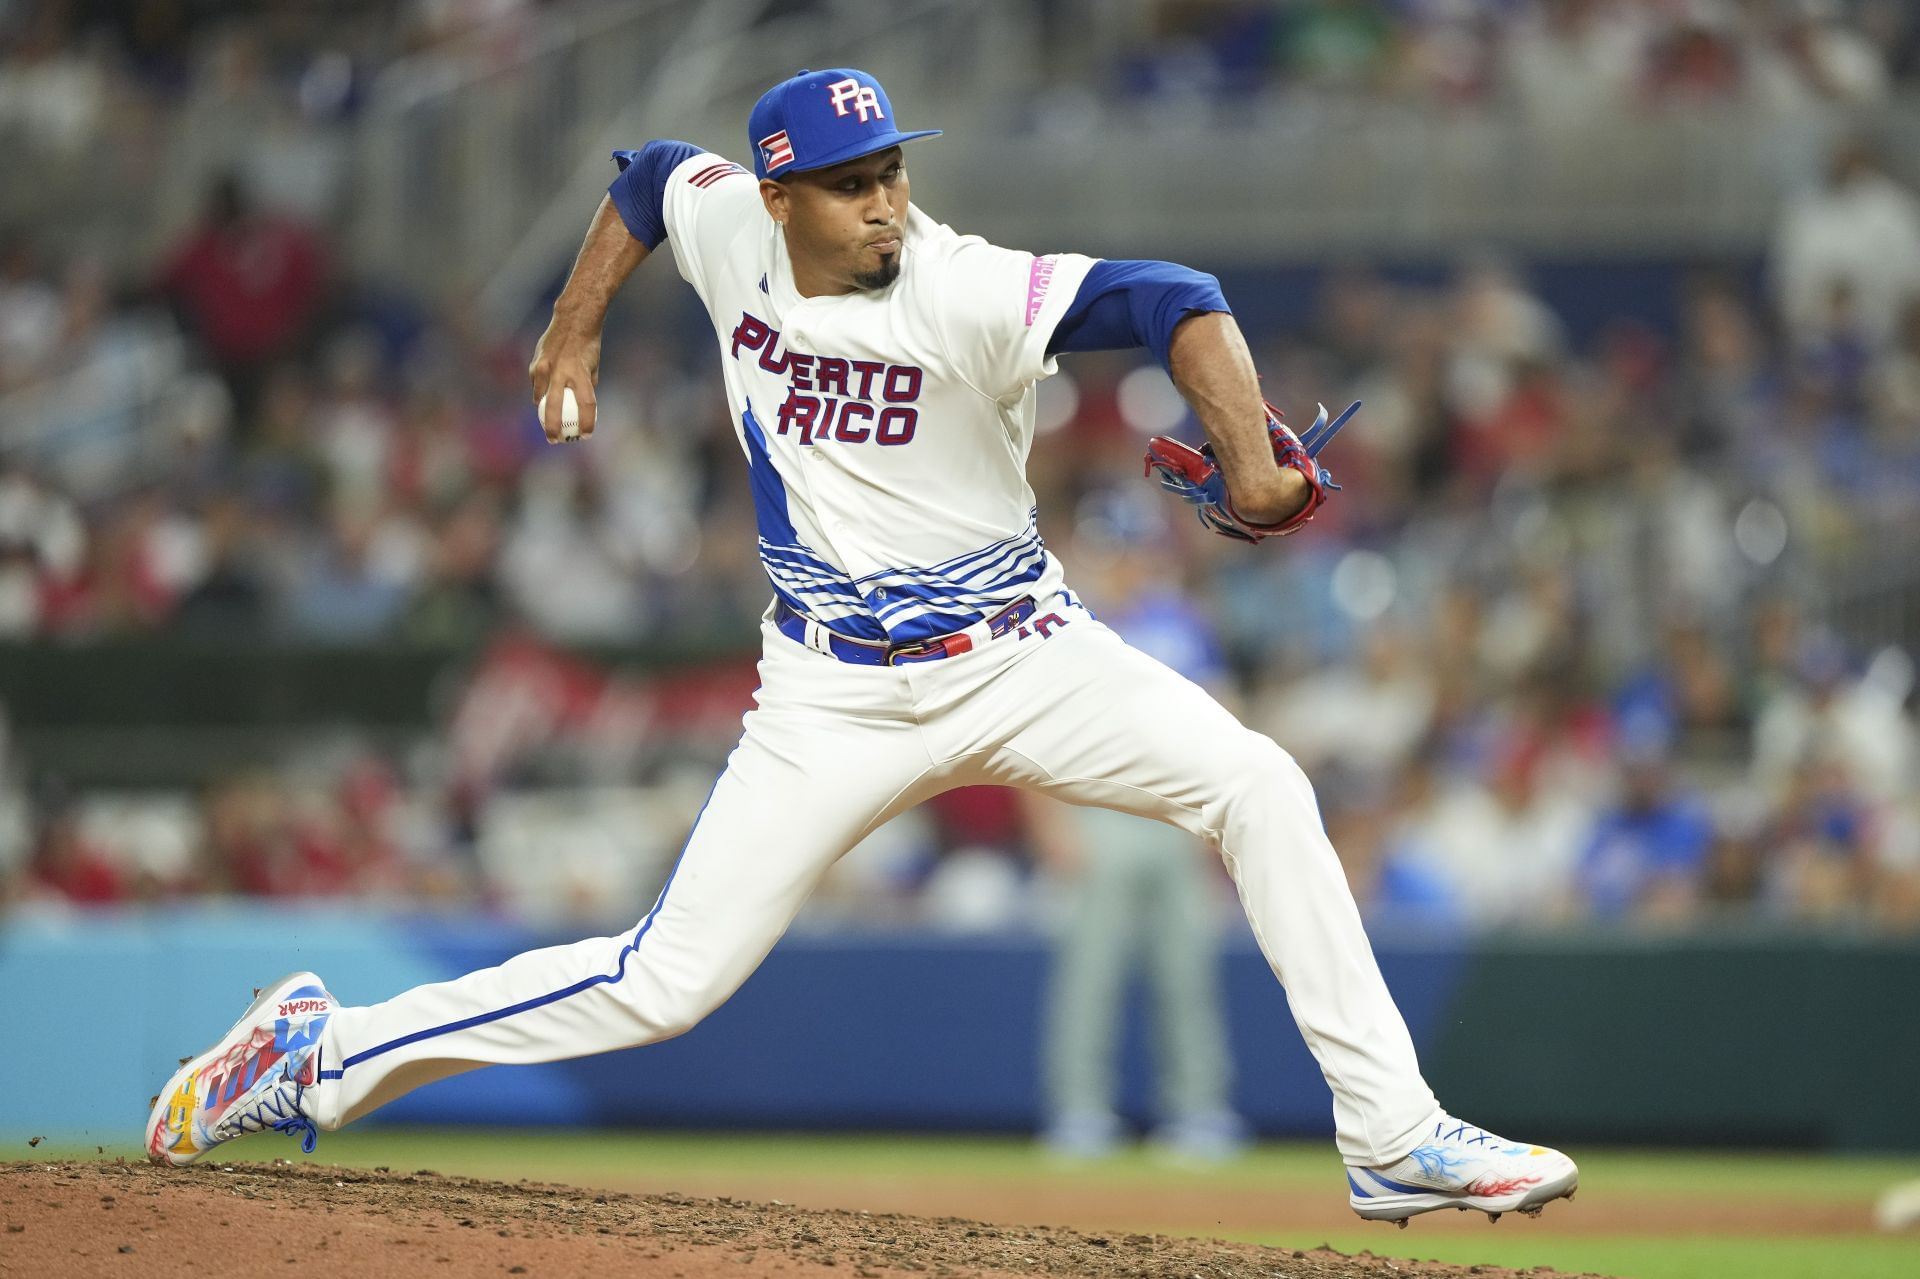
84	1219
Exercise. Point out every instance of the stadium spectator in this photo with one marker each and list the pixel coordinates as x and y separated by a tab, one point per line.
1848	254
459	600
1571	63
1695	60
1646	856
977	879
1729	389
30	314
249	283
560	564
66	865
1364	718
1810	56
54	90
230	597
1829	715
1336	45
1895	390
1823	846
1502	850
356	579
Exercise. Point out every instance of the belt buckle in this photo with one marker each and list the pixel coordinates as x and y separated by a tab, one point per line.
912	650
1010	617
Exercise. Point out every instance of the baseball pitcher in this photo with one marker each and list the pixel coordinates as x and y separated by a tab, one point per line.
880	369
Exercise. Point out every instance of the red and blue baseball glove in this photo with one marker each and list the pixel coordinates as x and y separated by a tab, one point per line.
1192	475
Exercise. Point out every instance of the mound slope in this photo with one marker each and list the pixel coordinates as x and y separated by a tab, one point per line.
115	1218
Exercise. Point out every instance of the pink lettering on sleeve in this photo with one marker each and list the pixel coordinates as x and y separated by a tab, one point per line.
1039	280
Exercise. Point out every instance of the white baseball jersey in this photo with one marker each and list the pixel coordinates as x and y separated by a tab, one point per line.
886	431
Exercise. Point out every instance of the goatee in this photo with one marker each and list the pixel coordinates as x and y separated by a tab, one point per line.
886	273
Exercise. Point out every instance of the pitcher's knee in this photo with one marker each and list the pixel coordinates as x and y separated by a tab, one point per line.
1262	776
666	1010
685	1012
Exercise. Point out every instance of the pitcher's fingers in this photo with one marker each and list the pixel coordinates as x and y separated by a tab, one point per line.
589	409
549	407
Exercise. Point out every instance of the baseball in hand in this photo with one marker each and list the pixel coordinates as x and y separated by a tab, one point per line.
569	414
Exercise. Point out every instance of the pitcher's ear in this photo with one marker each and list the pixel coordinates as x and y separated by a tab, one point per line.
776	198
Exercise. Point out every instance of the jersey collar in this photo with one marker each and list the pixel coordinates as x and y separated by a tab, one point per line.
780	286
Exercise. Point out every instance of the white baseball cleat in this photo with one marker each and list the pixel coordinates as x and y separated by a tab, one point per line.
253	1079
1899	1207
1461	1166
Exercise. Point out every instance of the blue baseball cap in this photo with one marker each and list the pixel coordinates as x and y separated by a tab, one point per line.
822	118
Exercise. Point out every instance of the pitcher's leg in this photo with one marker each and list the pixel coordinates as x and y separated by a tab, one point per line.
769	830
1142	739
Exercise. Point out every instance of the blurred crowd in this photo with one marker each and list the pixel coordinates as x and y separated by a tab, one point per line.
1572	643
72	70
1602	626
87	83
1554	59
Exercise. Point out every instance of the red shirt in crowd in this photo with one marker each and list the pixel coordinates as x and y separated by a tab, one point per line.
250	286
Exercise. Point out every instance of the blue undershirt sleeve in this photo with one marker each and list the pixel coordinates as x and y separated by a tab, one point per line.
1125	304
639	193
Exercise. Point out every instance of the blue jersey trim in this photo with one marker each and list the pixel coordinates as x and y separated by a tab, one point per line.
769	490
640	192
1127	304
916	603
540	1001
810	586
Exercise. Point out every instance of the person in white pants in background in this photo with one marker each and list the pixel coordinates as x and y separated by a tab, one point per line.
881	371
1139	895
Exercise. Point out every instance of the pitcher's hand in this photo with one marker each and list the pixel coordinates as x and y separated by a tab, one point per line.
565	361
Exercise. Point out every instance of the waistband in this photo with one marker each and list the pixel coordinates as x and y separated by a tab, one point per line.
859	652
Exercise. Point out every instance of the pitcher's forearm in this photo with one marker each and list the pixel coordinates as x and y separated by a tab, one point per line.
607	257
567	357
1214	372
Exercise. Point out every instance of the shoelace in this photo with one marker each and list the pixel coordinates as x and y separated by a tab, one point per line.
309	1135
1458	1134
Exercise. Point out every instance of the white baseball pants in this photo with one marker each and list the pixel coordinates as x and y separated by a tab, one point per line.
831	751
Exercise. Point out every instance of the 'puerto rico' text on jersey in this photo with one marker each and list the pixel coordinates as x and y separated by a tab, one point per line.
886	431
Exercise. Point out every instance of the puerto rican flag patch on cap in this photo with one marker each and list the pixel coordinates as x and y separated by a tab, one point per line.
777	150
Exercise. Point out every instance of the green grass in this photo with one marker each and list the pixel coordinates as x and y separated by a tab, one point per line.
606	1158
1707	1257
565	1154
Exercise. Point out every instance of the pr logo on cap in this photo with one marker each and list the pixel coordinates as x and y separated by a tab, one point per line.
860	95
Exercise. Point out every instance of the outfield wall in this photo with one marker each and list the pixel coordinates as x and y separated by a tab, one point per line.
1751	1040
